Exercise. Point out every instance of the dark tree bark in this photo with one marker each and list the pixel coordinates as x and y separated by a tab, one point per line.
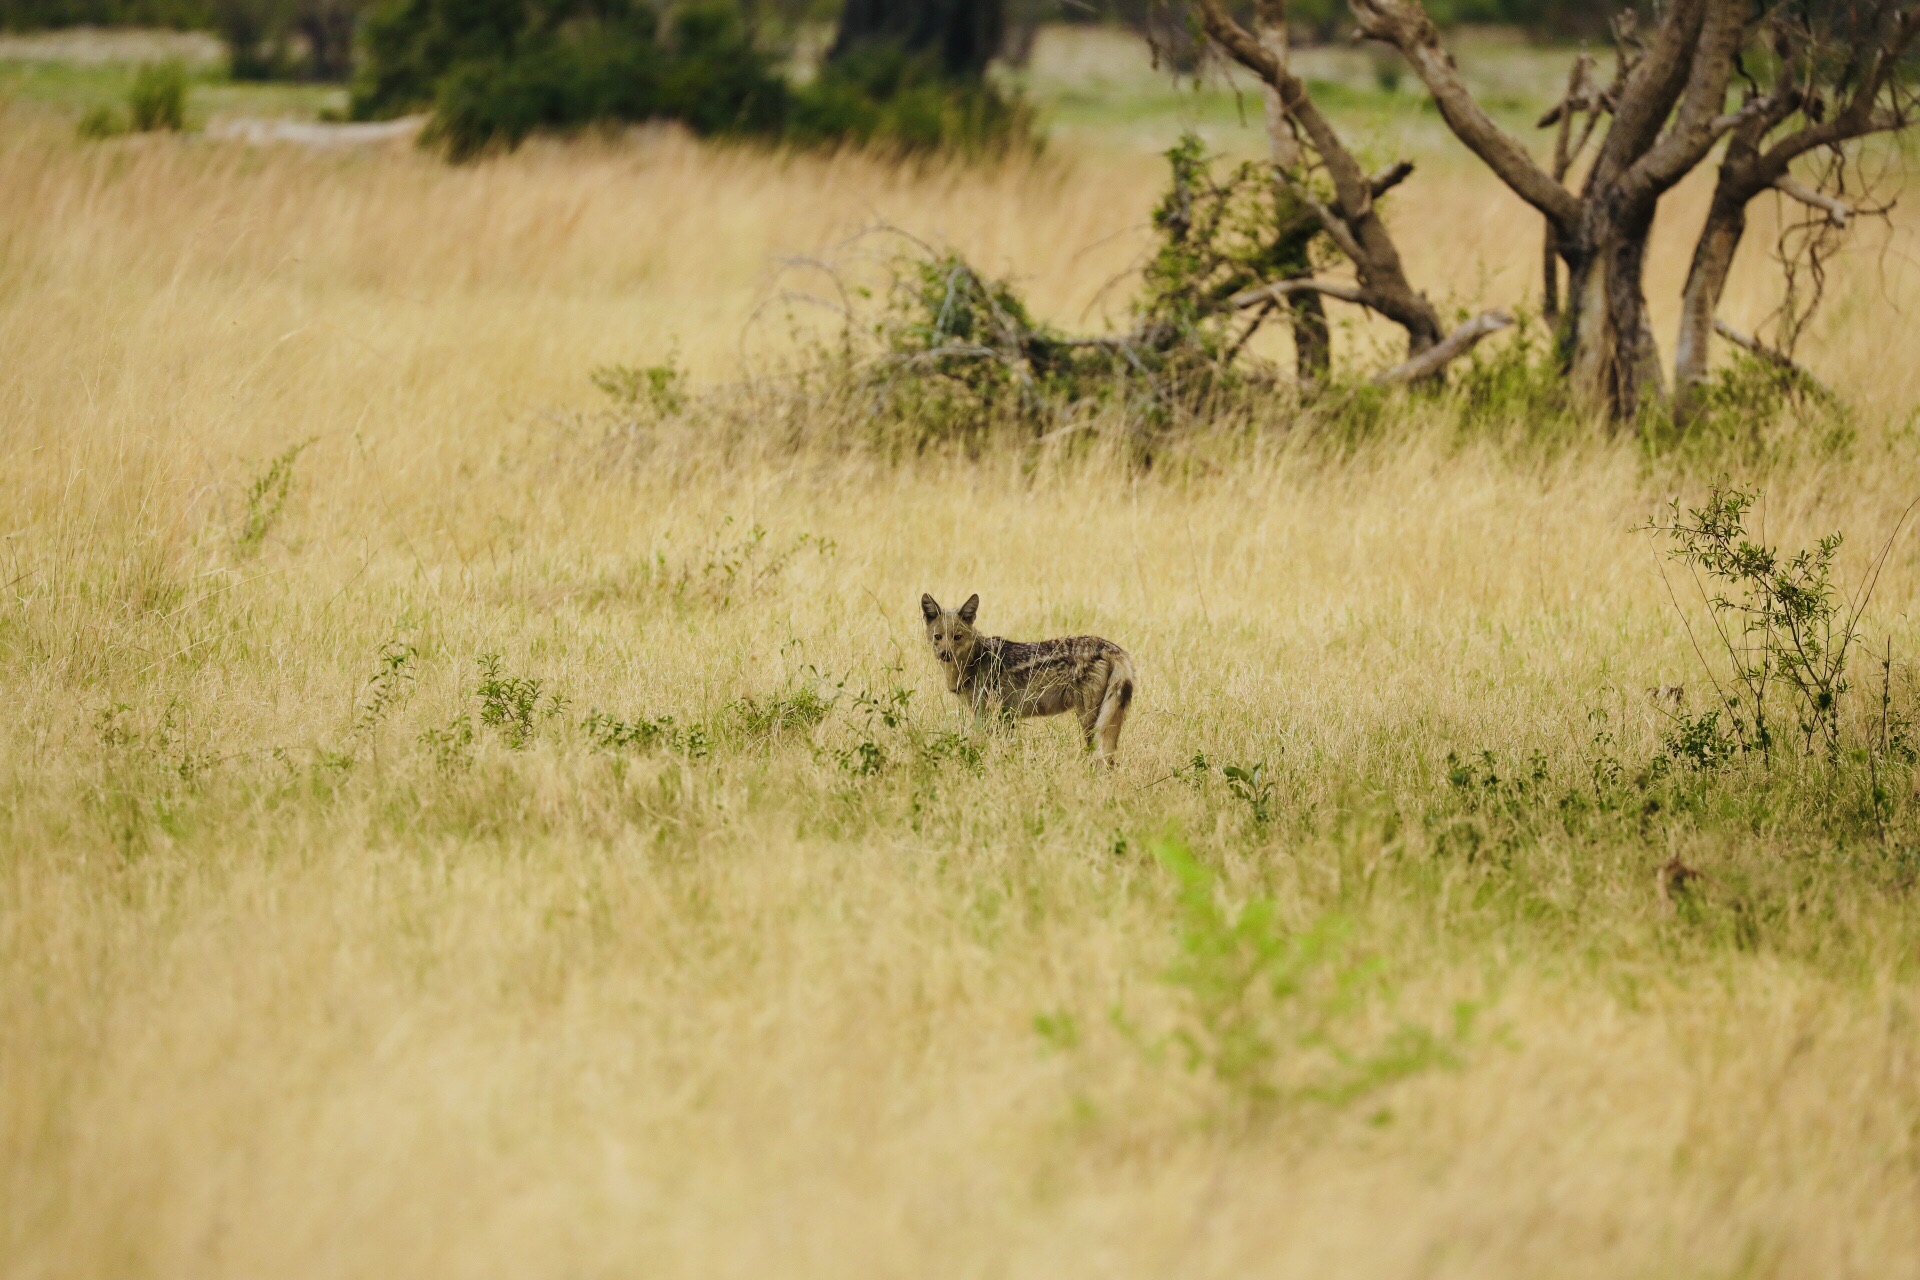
328	26
962	35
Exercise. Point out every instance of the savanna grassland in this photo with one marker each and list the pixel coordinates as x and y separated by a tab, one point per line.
453	824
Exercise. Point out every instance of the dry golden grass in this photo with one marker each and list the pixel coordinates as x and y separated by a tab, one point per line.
287	990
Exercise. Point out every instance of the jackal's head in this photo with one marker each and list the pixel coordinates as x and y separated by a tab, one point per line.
952	635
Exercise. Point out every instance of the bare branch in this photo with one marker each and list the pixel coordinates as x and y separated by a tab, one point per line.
1644	95
1279	289
1407	27
1576	99
1861	116
1440	354
1390	177
1356	227
1837	210
1779	359
1336	226
1700	122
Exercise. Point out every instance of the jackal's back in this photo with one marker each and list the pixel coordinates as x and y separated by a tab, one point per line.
1045	677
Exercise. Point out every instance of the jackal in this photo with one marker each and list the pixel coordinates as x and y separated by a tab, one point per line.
1086	675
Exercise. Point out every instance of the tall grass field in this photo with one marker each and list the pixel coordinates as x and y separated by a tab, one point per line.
457	823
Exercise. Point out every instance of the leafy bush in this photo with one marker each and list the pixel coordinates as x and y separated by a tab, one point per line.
158	99
1278	1014
1785	631
708	75
266	498
881	95
495	73
511	704
101	122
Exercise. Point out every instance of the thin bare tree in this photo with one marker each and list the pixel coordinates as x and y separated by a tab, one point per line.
1774	80
1303	144
1813	76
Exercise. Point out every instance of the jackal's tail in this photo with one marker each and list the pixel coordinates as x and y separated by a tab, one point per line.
1114	703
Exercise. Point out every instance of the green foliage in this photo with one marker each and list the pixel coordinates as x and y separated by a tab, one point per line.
1515	381
1252	787
266	498
158	99
961	350
608	68
1733	410
495	72
1783	630
768	716
1217	236
101	122
511	704
881	95
1282	1014
389	685
452	746
35	15
609	732
658	388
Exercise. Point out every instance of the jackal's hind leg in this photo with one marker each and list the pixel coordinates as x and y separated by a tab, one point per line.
1088	710
1110	712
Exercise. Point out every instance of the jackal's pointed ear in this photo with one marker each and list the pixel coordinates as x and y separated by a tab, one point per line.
930	607
970	608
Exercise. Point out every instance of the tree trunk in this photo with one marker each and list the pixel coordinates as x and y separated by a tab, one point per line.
328	27
1700	301
963	35
1312	336
1611	356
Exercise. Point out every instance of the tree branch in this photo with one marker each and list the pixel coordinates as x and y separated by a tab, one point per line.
1280	289
1836	209
1779	359
1701	121
1643	97
1405	25
1390	177
1440	354
1356	227
1336	226
1859	117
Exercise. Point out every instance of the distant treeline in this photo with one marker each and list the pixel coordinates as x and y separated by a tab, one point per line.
33	15
1315	18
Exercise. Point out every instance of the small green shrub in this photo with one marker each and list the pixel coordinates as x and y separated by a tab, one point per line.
101	122
610	733
880	95
511	704
1748	393
768	716
1252	787
1517	381
387	688
658	388
158	99
1784	631
1277	1014
266	498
